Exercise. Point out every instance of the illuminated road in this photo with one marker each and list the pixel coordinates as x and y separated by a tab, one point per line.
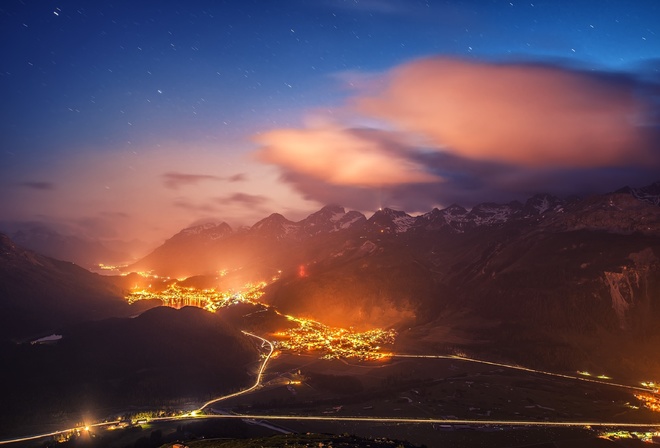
387	420
56	433
527	369
257	382
395	420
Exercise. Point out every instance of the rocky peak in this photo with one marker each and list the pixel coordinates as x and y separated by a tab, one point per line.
211	230
391	220
350	219
276	226
650	193
433	220
542	203
454	210
325	220
490	213
614	213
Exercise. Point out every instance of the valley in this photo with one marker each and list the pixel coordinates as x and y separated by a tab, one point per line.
515	323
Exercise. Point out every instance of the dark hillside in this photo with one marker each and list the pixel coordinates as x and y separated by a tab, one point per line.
163	358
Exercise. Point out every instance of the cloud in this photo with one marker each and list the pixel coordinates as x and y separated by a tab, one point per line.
239	177
193	207
447	130
249	200
342	156
38	185
176	180
521	114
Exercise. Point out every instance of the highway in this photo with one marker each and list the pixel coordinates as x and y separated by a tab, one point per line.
527	369
395	420
362	419
197	414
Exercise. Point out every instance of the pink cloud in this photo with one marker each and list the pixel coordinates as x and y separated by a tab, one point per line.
250	200
526	115
176	180
240	177
342	156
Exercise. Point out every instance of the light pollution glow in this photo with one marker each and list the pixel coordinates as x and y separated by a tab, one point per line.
309	336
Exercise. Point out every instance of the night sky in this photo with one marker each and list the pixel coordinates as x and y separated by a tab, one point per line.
125	120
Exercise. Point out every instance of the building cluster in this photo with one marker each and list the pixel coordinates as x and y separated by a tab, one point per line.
644	436
334	343
176	296
651	402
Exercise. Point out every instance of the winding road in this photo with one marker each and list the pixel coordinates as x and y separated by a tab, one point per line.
257	382
198	414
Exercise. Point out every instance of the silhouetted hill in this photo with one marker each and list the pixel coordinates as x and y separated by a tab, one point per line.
162	358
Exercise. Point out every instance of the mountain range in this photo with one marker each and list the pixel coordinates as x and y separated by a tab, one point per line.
206	248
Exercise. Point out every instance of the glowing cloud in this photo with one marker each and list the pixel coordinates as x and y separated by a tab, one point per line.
443	130
342	156
251	200
526	115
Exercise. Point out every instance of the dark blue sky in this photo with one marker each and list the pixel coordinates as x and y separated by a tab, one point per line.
104	99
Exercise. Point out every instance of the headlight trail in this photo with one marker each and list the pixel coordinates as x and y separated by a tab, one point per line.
526	369
257	382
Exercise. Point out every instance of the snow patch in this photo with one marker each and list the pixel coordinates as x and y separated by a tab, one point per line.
47	339
403	223
347	224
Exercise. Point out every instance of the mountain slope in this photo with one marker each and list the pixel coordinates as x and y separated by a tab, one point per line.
260	251
39	294
48	242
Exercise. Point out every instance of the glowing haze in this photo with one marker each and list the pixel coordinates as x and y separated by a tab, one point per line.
124	121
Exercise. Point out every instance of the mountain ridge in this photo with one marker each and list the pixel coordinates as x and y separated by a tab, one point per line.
456	216
627	212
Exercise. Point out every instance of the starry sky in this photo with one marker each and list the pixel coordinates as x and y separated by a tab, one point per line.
131	120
